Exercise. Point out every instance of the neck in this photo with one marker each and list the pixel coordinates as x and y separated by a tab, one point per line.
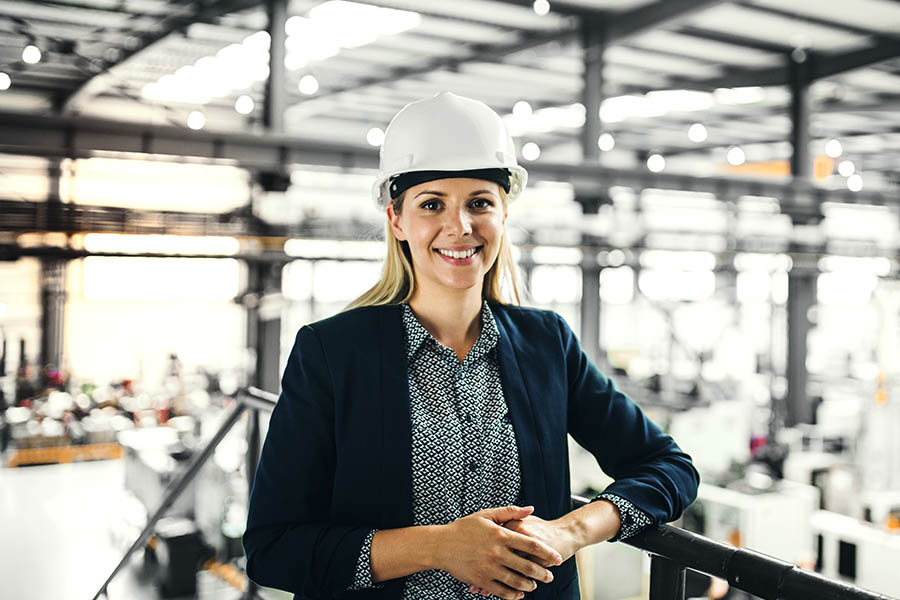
452	318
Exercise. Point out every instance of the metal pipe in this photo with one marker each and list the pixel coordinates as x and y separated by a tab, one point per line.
258	399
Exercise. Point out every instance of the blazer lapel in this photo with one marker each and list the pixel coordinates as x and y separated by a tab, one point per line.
522	414
396	476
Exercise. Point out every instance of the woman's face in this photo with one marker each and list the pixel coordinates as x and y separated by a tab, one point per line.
453	228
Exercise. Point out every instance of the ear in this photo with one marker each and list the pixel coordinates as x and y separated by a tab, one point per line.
394	220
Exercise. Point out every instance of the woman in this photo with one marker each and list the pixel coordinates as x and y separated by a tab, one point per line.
418	449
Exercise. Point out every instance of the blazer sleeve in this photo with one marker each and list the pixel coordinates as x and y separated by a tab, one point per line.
290	542
649	468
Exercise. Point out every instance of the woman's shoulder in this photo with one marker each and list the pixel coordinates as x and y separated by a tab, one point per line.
355	321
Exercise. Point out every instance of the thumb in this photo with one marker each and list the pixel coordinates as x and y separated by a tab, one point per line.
503	514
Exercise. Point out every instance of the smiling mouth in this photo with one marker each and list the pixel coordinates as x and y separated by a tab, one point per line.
458	254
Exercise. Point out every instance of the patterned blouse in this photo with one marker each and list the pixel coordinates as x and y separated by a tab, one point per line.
464	454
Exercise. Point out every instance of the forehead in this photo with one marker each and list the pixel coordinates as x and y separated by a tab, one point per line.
463	186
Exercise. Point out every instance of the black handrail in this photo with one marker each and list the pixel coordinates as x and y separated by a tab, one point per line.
763	576
672	549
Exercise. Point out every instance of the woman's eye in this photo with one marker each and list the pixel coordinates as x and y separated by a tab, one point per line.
431	205
481	203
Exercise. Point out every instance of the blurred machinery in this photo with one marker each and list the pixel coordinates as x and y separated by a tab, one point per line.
769	516
857	552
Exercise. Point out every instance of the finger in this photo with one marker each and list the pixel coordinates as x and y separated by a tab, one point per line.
503	514
517	582
544	554
501	590
527	567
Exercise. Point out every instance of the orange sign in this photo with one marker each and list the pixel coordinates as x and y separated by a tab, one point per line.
823	167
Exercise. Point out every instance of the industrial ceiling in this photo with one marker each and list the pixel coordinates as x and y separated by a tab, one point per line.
351	65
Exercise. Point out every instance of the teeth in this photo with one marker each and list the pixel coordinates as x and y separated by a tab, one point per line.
453	254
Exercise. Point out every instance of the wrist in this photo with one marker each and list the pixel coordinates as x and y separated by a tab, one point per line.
432	546
593	523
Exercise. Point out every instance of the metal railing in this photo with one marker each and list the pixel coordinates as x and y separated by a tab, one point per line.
672	550
250	400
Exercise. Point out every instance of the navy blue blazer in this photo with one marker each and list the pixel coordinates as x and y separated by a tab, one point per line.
336	461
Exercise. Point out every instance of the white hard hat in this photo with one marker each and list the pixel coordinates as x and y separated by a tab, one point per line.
446	133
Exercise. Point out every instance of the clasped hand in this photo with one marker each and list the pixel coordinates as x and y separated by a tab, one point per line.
504	551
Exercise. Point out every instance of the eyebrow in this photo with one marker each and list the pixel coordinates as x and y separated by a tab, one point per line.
442	194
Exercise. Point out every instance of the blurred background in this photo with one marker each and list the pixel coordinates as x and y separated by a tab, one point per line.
712	205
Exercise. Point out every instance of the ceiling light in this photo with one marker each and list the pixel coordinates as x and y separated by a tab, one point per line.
31	54
846	168
541	7
656	163
530	151
258	41
736	156
833	148
606	142
522	110
375	137
740	95
244	104
5	81
697	133
855	182
196	120
308	85
682	100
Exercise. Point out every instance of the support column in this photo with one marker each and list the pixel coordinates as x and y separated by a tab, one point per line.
53	310
590	305
276	95
802	280
666	579
802	277
593	47
263	303
593	36
801	165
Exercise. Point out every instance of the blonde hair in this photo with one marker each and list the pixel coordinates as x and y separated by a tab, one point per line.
398	280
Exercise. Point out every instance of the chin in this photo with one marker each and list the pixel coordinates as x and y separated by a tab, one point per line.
462	284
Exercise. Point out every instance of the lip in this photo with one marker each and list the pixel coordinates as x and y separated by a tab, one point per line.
459	262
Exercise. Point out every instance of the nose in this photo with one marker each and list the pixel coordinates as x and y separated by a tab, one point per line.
458	222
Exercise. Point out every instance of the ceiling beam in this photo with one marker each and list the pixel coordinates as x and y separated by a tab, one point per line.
733	39
821	66
618	27
624	25
479	53
202	13
811	19
80	137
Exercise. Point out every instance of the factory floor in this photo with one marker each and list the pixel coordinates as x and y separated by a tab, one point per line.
58	525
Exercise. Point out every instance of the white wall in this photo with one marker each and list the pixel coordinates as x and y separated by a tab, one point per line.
125	315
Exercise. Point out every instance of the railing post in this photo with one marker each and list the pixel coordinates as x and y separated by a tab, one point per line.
666	579
252	461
